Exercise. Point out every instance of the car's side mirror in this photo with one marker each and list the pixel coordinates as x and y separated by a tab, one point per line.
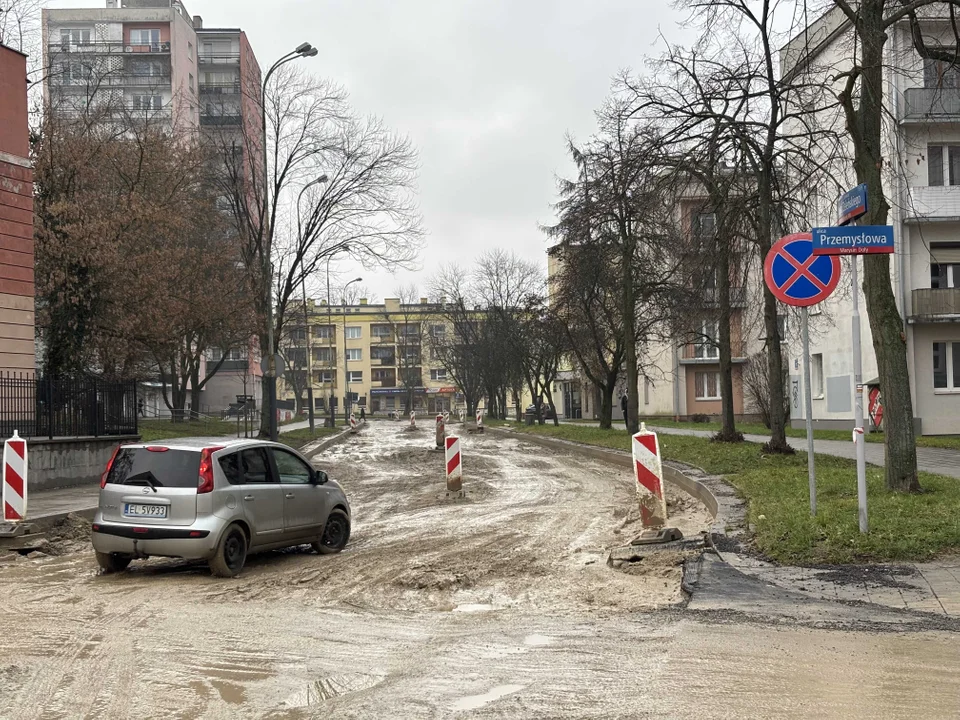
319	477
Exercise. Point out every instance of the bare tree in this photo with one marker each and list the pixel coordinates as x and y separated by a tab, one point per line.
348	182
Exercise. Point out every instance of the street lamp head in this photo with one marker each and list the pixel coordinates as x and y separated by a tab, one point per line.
312	52
357	280
322	179
303	48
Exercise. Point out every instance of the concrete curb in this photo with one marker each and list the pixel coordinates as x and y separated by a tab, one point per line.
329	442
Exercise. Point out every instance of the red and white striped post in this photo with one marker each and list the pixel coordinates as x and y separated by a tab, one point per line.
648	468
479	419
441	430
15	479
353	423
413	419
454	466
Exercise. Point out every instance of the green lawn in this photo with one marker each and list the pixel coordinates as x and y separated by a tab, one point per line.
951	442
902	527
299	438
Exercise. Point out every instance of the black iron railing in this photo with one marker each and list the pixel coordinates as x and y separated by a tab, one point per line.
83	406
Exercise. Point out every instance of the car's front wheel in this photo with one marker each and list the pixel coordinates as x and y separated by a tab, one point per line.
336	533
111	562
231	553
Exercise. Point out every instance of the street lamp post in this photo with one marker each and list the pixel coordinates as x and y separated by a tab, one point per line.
306	320
347	404
266	225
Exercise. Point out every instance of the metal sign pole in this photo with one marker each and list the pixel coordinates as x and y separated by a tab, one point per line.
808	410
858	438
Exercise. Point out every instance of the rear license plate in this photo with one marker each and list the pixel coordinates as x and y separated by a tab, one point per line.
139	510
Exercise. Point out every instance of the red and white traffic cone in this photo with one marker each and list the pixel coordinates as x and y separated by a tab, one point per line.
648	468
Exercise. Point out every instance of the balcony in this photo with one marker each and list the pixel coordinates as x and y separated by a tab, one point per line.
384	361
695	355
109	48
936	305
230	59
113	80
232	88
383	340
221	120
932	204
931	105
738	297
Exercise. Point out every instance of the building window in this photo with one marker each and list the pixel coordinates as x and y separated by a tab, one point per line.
146	37
939	74
646	391
705	225
145	68
325	377
438	330
946	366
147	102
706	344
816	375
322	332
438	374
944	275
380	331
943	165
354	354
707	385
74	36
190	50
356	376
322	355
782	327
193	85
354	333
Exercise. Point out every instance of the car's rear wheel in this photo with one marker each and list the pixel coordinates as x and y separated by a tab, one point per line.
231	553
336	533
111	562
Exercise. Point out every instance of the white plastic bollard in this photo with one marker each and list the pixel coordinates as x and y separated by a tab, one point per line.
14	494
648	468
454	464
413	419
441	431
353	423
479	420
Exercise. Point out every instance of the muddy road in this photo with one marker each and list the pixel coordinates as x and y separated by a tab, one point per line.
499	604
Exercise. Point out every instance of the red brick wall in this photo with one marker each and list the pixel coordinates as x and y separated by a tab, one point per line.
16	218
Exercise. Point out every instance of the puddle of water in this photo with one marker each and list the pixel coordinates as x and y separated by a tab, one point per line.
537	640
331	687
473	702
230	693
473	608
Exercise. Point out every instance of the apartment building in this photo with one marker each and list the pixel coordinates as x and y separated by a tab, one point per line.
16	218
374	354
680	377
922	185
151	61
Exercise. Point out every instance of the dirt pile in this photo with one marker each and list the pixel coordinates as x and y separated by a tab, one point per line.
72	534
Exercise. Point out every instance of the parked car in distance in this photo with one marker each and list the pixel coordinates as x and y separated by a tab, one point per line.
214	499
545	409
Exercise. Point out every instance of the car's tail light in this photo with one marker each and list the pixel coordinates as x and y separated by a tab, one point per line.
103	478
157	448
205	483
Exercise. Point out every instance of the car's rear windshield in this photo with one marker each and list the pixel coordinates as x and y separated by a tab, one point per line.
167	468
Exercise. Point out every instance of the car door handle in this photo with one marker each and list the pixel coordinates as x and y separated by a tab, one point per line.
289	495
249	497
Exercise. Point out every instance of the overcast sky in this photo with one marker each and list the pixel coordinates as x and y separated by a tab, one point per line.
485	88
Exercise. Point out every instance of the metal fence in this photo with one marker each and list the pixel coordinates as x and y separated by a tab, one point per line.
83	406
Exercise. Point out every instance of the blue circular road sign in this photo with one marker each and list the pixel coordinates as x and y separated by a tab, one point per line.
798	277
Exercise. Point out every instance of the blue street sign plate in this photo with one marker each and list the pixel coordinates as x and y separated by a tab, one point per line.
852	204
796	276
853	240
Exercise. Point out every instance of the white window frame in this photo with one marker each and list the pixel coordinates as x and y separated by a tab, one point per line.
326	376
438	374
355	377
75	36
145	33
354	332
816	376
354	354
952	350
704	392
703	348
144	101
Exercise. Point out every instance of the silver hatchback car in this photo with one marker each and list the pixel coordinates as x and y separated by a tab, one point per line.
216	500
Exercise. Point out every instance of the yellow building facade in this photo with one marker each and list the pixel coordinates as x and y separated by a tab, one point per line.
381	354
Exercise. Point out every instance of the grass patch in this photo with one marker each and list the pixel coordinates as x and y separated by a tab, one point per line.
902	527
156	429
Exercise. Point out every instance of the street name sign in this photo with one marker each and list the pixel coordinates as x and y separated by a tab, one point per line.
795	275
853	240
852	204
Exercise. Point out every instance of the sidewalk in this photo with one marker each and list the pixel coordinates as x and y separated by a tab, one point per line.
933	460
51	505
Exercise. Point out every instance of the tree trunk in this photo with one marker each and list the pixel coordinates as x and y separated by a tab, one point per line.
195	393
606	403
728	430
265	399
889	340
630	346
